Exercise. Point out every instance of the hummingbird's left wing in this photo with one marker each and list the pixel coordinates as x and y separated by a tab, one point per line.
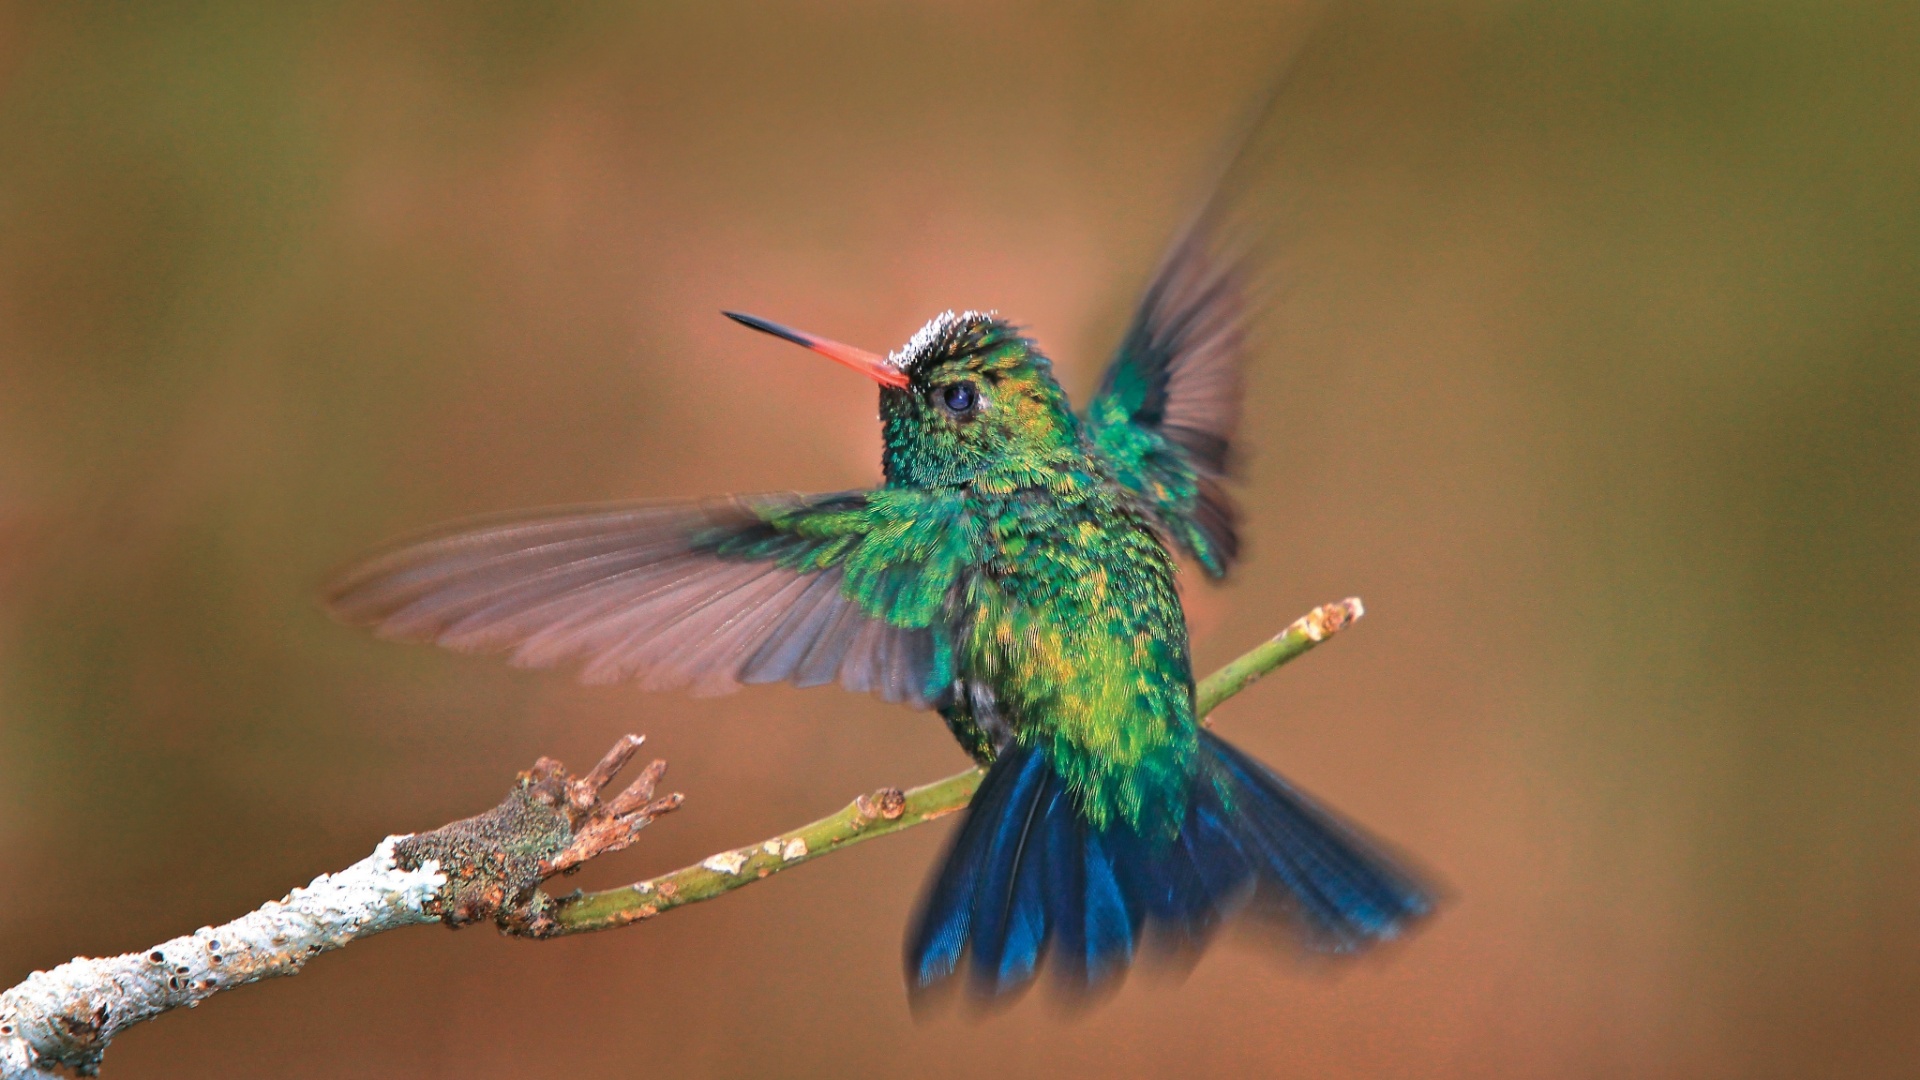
850	587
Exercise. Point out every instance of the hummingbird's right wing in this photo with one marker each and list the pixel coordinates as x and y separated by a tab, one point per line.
1165	414
849	587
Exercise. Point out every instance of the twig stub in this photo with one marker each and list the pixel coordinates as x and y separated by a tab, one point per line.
549	824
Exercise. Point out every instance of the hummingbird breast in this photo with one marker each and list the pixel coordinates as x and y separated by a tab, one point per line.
1072	640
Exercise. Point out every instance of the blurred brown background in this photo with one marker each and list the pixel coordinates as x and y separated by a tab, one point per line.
1593	371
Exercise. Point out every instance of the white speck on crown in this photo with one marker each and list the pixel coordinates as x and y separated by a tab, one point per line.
932	334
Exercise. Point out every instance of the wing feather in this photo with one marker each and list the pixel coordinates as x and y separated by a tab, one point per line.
1167	408
710	594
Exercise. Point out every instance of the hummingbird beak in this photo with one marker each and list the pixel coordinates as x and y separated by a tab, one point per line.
872	365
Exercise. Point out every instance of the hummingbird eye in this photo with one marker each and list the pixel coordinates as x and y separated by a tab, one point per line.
960	398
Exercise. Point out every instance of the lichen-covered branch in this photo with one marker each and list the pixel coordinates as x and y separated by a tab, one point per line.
550	824
485	868
66	1017
890	810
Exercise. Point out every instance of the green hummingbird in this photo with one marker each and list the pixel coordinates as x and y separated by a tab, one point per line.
1015	572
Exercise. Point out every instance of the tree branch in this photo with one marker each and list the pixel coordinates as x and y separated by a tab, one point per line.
486	868
890	810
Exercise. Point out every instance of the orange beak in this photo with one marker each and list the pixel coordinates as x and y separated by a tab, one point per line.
872	365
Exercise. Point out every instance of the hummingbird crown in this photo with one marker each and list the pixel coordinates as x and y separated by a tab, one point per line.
949	336
977	398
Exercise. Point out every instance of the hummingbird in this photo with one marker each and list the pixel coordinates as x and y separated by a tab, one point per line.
1013	572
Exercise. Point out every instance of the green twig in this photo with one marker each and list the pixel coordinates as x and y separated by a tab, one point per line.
889	810
1305	632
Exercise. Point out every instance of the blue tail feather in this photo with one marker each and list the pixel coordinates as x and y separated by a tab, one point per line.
1346	894
1110	918
1066	876
1027	879
1009	918
944	925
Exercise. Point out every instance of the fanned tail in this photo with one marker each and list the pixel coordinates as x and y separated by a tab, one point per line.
1027	879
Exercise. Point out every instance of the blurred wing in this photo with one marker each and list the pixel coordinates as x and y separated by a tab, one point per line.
711	594
1166	411
1165	415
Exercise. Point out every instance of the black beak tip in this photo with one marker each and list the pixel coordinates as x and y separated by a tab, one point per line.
765	327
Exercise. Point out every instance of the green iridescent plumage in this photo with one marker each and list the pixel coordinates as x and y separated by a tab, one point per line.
1007	533
1015	572
1067	614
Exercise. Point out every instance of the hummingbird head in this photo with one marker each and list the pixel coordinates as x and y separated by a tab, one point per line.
967	397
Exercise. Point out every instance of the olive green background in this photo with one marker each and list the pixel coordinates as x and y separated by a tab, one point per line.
1592	367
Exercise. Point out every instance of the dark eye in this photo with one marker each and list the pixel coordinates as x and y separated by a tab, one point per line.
960	398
